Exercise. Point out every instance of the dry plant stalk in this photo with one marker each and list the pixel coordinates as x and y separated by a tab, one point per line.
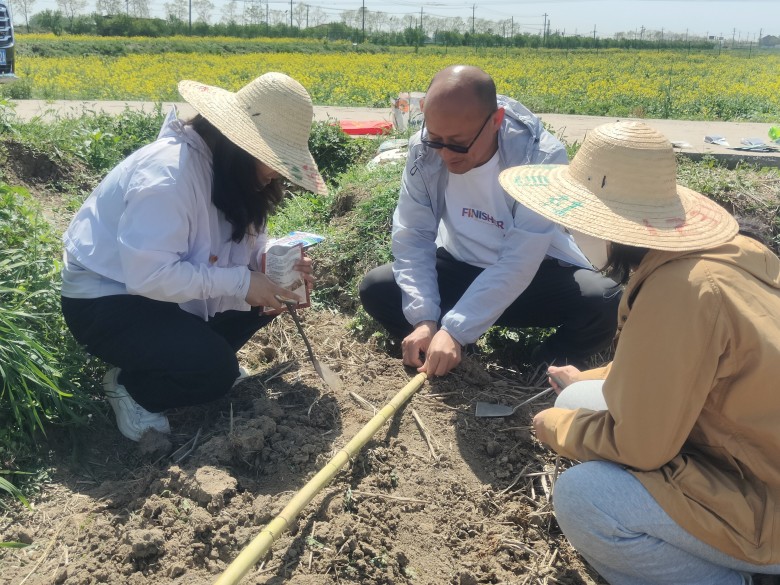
389	497
426	435
363	402
520	475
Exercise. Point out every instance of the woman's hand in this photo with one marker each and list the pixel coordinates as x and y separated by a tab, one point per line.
263	292
566	374
304	266
541	426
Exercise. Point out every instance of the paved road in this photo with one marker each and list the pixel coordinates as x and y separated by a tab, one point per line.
570	128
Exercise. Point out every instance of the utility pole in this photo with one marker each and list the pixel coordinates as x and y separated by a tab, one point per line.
642	32
733	35
473	10
266	17
291	1
190	14
513	28
307	16
421	17
363	34
594	32
544	30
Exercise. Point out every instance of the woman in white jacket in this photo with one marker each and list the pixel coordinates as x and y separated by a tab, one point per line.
160	275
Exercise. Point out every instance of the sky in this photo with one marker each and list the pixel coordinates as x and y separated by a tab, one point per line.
741	19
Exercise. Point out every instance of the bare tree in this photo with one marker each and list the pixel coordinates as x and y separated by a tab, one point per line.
109	7
138	8
177	9
71	9
202	10
254	13
351	18
278	17
300	14
230	12
317	16
24	7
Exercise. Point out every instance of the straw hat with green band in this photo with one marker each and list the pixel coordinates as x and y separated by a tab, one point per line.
622	187
270	118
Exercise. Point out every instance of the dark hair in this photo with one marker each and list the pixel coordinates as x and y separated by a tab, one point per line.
236	189
621	260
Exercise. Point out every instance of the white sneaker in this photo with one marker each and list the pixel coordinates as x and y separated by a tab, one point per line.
132	419
242	373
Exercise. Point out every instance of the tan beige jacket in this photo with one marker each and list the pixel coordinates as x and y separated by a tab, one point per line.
694	395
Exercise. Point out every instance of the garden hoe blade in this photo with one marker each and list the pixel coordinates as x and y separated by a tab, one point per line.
490	410
328	376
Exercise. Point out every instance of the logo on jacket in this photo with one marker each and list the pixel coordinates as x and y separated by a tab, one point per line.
482	216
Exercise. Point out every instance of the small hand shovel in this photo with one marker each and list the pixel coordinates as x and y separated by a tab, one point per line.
489	410
328	375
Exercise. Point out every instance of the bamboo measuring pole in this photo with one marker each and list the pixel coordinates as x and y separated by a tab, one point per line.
259	546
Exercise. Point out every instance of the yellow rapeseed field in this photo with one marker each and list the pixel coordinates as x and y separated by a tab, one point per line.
607	82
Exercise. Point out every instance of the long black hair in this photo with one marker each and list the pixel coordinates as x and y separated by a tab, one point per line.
621	260
236	189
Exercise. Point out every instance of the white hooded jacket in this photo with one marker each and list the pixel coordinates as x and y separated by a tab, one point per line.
521	140
150	228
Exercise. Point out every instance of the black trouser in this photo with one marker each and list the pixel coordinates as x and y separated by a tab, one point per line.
581	304
169	357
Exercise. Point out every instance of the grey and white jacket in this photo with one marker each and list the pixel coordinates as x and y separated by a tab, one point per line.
521	140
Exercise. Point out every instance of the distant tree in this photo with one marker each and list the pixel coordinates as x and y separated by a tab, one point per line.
25	8
139	8
109	7
351	18
254	13
300	15
71	9
317	16
177	9
51	20
202	10
278	17
230	12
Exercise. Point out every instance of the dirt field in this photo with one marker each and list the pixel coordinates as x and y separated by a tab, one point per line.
437	497
463	502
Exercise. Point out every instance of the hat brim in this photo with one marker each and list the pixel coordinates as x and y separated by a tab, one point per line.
689	222
219	107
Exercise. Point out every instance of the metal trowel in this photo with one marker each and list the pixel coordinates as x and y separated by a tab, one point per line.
328	376
489	409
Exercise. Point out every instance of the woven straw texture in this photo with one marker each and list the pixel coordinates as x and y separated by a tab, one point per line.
622	187
269	117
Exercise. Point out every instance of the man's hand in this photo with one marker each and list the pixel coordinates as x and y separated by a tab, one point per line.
417	343
444	353
566	374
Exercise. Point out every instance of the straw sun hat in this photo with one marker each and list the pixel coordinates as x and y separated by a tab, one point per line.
269	117
622	187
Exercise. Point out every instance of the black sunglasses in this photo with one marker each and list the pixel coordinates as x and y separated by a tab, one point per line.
453	147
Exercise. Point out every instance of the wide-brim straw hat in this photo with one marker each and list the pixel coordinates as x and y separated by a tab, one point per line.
269	117
622	186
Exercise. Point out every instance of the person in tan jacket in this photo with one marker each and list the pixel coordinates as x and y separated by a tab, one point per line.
679	437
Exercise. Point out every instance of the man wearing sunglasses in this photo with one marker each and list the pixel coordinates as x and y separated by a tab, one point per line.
467	255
